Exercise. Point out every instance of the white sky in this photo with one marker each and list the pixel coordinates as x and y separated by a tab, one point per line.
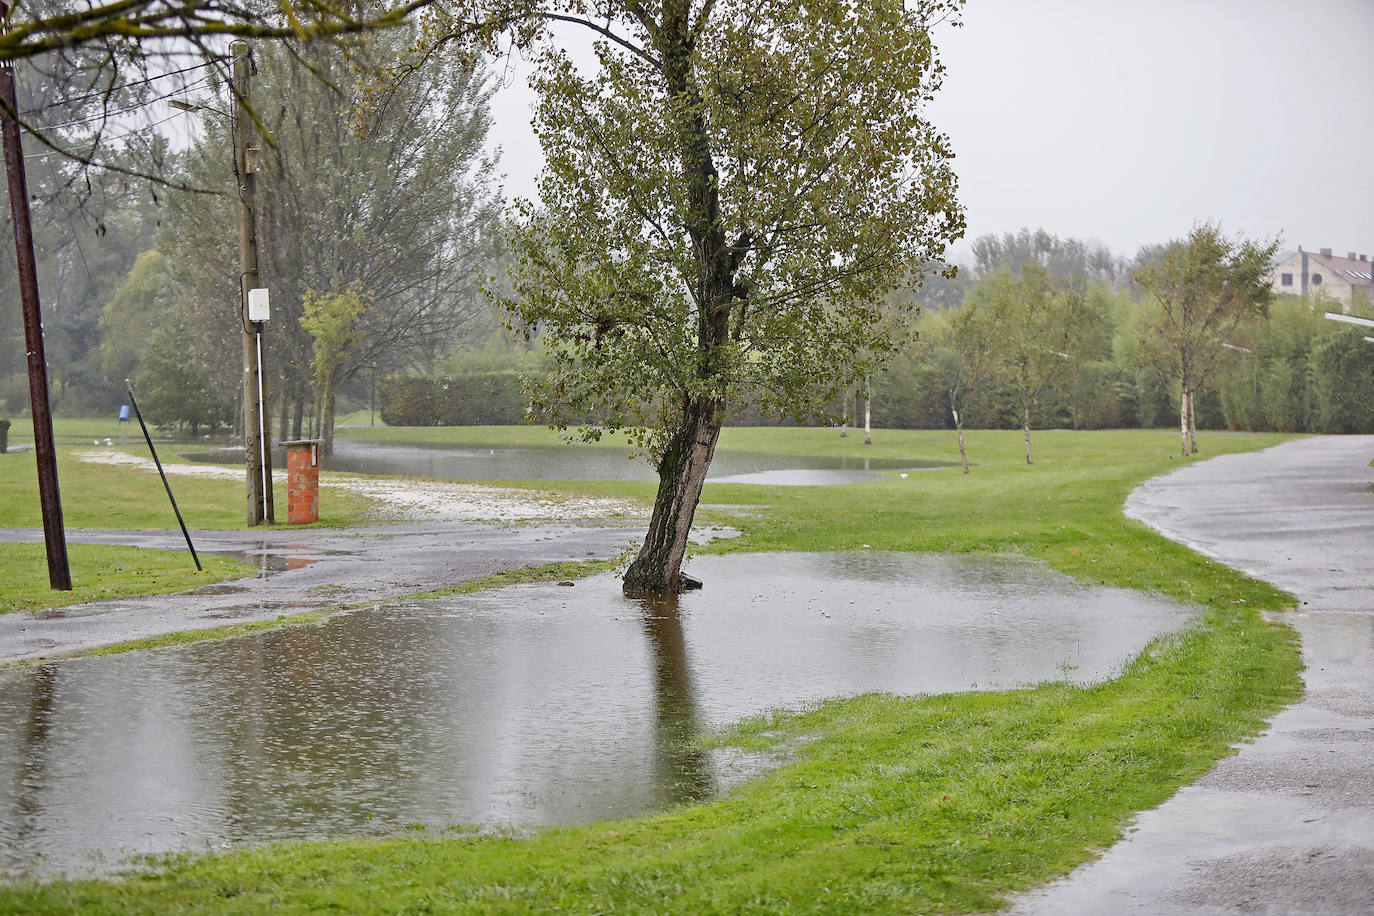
1126	121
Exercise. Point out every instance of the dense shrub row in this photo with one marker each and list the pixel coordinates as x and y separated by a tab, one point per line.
469	399
1300	374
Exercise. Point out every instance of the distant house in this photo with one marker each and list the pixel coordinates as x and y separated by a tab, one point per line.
1342	279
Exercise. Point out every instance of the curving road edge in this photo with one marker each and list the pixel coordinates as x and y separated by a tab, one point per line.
1286	825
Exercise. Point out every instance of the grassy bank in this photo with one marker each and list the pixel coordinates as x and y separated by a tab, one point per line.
104	572
888	804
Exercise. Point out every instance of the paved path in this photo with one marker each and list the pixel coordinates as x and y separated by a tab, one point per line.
1287	825
299	570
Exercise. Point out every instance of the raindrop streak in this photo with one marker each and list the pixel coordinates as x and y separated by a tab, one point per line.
525	706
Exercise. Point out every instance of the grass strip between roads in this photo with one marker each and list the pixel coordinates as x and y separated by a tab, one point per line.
104	572
939	804
551	572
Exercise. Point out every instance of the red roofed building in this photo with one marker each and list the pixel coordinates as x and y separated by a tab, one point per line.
1347	280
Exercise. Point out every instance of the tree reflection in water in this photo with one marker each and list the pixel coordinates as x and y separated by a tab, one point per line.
682	772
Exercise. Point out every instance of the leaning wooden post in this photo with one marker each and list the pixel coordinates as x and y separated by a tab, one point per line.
54	534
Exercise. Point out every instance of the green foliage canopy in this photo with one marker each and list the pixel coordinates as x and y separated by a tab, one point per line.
727	199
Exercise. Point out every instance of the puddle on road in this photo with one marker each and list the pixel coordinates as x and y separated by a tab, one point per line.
530	705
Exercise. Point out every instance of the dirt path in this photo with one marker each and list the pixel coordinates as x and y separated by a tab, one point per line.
1287	825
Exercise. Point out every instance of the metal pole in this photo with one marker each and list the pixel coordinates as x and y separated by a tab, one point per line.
54	533
262	426
257	454
161	473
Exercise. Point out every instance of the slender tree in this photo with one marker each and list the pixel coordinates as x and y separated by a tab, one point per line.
1202	290
962	352
333	321
1033	324
728	196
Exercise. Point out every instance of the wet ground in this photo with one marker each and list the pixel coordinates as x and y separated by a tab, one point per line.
539	704
1287	825
561	462
300	570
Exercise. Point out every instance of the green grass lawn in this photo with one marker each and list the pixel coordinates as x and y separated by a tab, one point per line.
112	496
99	572
887	804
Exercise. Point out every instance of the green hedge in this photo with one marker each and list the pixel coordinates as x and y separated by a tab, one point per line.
472	399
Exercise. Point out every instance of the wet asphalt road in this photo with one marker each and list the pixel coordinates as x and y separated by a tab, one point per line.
299	571
1287	825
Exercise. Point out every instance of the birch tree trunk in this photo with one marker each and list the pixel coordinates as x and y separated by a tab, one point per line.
959	429
1183	418
326	435
868	410
1192	425
844	414
1025	423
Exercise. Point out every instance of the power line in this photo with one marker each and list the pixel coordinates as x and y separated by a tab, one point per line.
105	115
105	93
138	130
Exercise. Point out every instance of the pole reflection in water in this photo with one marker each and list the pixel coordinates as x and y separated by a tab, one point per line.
26	807
682	772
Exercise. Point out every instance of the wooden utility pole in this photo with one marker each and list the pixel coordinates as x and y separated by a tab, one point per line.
54	534
257	434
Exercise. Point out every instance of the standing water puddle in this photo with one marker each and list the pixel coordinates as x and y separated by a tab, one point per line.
563	462
530	705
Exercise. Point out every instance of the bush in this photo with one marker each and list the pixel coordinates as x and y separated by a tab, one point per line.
1341	370
469	399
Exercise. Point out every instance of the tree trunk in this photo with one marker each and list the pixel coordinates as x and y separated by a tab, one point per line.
681	474
959	428
297	414
868	410
283	426
1025	423
1192	426
844	414
687	456
1183	417
326	434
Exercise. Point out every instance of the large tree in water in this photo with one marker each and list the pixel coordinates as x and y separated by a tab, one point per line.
729	193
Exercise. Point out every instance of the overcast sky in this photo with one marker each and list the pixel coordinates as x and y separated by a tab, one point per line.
1125	121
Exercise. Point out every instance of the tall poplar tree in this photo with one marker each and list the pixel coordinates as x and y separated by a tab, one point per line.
729	193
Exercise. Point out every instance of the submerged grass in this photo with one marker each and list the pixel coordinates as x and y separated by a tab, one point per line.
887	804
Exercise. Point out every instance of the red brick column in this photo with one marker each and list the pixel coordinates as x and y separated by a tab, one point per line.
303	482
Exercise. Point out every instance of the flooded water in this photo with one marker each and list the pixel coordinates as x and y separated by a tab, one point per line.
530	705
584	463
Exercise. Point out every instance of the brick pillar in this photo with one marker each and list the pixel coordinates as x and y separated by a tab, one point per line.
303	481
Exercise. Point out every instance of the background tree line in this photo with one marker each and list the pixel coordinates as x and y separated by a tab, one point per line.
378	219
140	284
1051	333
